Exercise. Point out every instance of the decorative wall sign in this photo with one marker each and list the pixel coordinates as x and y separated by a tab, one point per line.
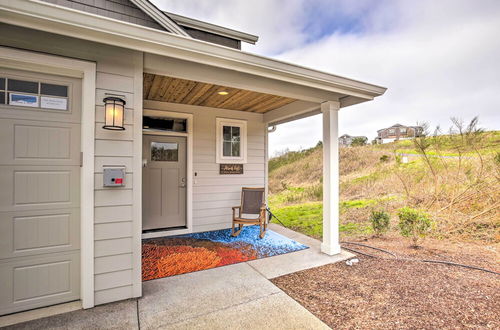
55	103
231	169
23	100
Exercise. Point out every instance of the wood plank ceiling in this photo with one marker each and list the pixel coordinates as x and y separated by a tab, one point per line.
174	90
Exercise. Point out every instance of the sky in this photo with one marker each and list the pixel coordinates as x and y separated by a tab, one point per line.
438	59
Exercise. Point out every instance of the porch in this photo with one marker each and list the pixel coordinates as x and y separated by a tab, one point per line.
233	296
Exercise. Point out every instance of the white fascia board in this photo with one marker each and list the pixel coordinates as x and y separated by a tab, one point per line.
47	17
149	9
212	28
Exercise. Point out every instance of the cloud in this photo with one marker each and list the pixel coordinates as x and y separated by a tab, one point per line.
439	59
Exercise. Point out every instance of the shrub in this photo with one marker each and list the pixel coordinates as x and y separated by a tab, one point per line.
380	221
413	223
497	158
384	158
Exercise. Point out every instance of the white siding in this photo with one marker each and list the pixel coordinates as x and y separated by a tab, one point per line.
215	194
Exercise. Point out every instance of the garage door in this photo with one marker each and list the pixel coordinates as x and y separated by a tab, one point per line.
39	190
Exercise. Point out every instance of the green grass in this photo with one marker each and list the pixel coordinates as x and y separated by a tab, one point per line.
297	195
307	218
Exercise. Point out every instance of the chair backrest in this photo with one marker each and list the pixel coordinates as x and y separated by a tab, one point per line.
252	200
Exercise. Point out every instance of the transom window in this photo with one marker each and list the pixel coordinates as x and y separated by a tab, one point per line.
33	94
231	141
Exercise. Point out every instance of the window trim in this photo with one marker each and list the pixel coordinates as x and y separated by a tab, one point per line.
220	158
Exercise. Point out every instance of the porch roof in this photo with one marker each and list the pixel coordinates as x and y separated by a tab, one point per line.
183	91
66	21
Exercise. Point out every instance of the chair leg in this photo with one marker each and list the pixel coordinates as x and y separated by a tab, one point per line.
262	229
235	234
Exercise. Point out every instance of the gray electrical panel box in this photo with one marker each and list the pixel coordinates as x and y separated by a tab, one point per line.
114	176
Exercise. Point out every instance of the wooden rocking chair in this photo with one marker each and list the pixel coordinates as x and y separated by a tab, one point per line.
252	203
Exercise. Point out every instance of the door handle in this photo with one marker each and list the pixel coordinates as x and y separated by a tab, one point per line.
144	163
183	183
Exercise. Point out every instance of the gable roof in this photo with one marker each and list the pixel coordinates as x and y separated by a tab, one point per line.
152	11
212	28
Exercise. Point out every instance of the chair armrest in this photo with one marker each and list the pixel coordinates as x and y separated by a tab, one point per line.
234	211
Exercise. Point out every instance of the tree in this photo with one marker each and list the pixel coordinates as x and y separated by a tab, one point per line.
359	141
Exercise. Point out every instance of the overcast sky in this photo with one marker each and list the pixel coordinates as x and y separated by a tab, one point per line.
439	59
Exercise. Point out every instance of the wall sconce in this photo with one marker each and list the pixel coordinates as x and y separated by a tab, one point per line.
113	113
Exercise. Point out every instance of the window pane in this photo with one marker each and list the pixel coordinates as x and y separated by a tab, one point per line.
56	90
235	135
23	86
164	152
2	83
23	100
226	133
2	97
226	152
236	149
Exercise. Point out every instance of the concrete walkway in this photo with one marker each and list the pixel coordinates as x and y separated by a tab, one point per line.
238	296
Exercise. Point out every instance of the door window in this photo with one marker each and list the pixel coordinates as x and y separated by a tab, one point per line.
164	152
33	94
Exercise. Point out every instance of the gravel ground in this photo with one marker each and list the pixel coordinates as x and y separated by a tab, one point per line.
397	294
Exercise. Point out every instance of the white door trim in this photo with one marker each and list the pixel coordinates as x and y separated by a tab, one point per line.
189	169
52	64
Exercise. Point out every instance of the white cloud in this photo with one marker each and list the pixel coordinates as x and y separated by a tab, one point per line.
439	59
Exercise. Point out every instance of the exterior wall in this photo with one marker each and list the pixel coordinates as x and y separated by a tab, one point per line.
122	10
385	134
215	194
117	211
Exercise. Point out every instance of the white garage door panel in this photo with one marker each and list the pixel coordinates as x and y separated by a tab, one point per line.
39	187
31	282
37	232
39	190
27	142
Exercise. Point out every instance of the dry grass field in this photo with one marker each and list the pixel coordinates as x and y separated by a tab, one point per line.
457	183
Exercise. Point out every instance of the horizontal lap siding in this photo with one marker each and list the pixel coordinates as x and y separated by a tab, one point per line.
215	194
113	229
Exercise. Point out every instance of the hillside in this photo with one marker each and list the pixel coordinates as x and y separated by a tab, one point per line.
454	178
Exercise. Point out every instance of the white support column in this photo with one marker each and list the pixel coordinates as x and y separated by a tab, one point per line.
331	174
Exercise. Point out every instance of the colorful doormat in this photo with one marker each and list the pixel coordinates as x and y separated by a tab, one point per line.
168	256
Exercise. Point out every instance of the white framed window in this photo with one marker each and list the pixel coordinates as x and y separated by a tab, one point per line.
231	147
402	130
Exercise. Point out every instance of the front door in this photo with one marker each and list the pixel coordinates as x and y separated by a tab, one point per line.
164	182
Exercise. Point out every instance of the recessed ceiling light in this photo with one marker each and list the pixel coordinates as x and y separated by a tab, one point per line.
223	93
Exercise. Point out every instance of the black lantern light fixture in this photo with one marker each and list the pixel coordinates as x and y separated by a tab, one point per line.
114	108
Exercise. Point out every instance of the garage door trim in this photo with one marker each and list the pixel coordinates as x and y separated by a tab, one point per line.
51	64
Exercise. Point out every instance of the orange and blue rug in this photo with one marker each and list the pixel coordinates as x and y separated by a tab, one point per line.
174	255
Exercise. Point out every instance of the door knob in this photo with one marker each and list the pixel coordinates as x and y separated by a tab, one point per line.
183	183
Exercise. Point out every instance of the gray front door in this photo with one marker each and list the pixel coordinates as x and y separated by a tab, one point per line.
163	182
39	190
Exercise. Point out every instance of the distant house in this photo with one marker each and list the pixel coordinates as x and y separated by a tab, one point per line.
398	132
346	140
